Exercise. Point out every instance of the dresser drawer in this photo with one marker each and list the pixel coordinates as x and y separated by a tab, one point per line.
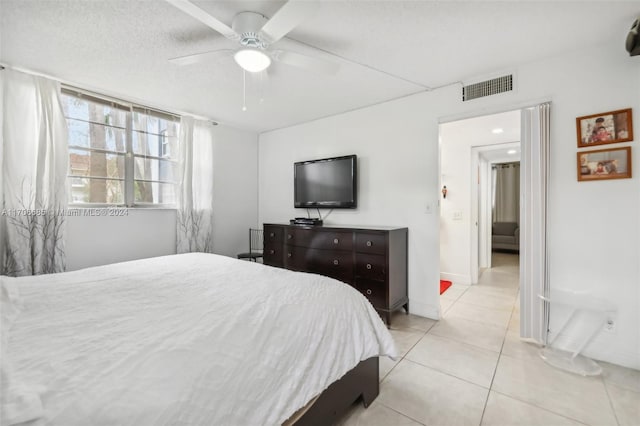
371	243
273	255
338	265
273	235
374	291
327	240
371	266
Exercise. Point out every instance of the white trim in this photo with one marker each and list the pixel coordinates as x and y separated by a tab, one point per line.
456	278
484	215
534	179
489	110
625	359
473	217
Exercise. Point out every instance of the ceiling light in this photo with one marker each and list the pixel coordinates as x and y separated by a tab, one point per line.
252	60
511	151
497	131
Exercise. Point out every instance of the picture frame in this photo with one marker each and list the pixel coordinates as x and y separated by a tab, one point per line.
602	164
605	128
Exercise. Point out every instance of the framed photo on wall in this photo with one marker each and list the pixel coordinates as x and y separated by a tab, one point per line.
604	128
614	163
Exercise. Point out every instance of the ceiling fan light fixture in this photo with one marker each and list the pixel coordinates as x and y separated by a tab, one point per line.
252	60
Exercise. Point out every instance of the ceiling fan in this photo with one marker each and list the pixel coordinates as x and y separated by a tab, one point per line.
256	35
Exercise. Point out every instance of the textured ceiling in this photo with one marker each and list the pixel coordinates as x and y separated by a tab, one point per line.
388	48
480	131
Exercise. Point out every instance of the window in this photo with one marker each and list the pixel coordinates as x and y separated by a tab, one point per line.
120	154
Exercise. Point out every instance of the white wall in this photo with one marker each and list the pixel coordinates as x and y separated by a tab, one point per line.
397	150
397	143
146	233
456	174
99	240
235	189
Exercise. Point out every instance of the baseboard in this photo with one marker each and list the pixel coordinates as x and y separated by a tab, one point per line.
598	351
456	278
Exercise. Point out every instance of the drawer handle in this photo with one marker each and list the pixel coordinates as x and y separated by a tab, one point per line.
368	266
289	236
336	241
272	251
272	235
288	254
369	243
335	262
368	292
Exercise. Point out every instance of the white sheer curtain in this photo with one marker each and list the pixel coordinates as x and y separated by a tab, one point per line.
506	207
34	170
534	278
195	187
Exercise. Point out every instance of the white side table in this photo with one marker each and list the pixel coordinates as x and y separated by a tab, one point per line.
577	302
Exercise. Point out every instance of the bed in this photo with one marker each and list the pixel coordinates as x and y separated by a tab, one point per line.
185	340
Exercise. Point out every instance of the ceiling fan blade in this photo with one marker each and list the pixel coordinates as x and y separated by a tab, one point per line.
202	16
198	57
306	62
287	18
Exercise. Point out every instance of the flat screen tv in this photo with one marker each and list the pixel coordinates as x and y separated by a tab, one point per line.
328	183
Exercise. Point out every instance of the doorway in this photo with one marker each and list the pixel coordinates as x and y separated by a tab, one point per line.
496	193
465	167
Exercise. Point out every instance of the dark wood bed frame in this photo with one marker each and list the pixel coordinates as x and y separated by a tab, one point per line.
361	382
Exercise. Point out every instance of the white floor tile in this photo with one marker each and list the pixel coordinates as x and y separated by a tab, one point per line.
516	348
376	415
532	380
486	300
626	405
500	285
385	365
431	397
502	410
400	320
445	304
464	361
449	364
470	332
405	339
496	317
623	377
454	291
514	322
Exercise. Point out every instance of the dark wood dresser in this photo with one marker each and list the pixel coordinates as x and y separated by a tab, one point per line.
373	260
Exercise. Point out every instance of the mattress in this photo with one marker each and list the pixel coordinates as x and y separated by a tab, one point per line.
183	340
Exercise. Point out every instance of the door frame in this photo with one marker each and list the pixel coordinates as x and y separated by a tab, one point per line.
481	196
527	302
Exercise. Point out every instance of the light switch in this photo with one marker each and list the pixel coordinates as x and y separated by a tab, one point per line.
457	215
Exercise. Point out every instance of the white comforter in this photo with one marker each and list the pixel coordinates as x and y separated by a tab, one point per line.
186	340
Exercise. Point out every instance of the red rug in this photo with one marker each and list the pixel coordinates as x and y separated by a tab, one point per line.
444	285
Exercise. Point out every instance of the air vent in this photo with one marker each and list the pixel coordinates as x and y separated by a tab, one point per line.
487	88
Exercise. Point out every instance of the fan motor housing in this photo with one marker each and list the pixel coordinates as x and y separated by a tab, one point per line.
248	25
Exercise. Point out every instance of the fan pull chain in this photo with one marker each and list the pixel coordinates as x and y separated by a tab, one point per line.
244	90
262	85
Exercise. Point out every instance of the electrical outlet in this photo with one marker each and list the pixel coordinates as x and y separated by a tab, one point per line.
610	325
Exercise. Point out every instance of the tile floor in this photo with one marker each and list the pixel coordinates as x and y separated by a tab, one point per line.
470	368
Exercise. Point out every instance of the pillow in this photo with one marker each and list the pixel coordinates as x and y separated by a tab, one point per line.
19	402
